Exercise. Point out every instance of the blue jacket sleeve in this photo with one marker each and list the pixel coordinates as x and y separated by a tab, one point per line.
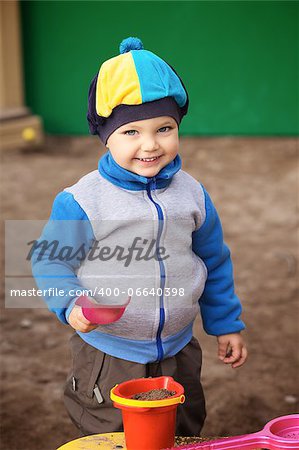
220	307
59	252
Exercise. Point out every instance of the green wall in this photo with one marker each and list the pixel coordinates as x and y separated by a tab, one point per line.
238	59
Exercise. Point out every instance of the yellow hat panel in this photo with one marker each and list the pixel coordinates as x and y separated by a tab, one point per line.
117	84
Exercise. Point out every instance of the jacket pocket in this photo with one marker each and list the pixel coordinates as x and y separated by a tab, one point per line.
92	387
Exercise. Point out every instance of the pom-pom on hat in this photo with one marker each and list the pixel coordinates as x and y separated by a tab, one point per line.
134	85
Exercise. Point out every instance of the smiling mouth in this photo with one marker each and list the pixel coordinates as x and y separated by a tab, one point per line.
148	159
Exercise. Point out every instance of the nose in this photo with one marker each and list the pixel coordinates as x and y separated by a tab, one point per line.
149	144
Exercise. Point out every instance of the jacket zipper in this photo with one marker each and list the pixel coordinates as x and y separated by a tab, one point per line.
162	271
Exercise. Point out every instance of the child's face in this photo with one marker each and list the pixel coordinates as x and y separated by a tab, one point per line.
154	138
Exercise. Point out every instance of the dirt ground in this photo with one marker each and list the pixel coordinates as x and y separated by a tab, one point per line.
254	184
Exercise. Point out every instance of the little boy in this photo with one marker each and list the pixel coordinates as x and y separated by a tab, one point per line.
138	195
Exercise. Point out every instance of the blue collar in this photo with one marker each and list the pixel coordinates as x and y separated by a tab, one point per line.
121	177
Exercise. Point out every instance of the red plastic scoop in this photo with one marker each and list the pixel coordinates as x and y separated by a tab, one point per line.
101	314
278	434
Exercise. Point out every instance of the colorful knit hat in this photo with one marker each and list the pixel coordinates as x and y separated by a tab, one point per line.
134	85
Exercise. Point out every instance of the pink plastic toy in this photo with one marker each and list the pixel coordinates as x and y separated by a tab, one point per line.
101	314
278	434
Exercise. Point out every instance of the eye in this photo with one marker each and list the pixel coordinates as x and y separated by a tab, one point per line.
164	129
130	132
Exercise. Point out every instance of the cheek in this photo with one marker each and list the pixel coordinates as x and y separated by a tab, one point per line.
120	150
173	145
125	156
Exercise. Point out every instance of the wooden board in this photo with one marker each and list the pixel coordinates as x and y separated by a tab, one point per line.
107	441
23	132
116	441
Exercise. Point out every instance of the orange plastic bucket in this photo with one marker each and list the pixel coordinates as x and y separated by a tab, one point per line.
148	424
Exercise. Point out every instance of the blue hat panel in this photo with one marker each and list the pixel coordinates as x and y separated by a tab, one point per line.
157	79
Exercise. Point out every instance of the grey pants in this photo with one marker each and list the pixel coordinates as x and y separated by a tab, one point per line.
94	373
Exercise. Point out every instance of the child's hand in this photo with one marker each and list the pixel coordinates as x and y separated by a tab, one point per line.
232	349
79	322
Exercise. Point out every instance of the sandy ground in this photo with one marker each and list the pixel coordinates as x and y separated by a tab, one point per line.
254	185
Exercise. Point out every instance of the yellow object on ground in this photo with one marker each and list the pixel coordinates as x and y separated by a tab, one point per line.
28	134
116	441
106	441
